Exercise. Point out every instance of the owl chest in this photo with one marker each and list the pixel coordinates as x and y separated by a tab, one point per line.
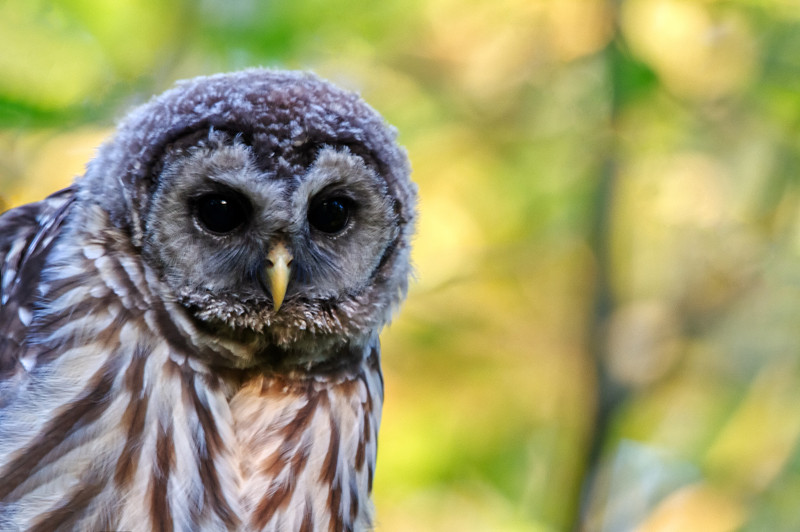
275	456
148	444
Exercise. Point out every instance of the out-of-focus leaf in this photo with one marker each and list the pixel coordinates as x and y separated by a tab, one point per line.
134	35
48	62
696	507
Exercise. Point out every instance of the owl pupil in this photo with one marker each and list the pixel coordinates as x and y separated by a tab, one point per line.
220	213
329	215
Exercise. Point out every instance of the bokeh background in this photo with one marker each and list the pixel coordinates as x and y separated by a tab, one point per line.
604	330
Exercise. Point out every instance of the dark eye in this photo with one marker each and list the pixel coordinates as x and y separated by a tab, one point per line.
330	215
222	212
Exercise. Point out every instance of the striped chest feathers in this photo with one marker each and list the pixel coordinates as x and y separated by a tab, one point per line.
123	427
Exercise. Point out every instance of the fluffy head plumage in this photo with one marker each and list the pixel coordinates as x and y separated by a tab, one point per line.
281	137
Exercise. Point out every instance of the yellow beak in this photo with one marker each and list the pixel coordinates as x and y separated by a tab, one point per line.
279	262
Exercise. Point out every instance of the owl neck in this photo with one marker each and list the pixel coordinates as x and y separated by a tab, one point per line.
283	453
308	447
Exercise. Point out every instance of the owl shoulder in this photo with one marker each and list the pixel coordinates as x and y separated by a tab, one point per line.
26	236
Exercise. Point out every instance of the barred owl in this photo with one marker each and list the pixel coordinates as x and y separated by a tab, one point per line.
189	333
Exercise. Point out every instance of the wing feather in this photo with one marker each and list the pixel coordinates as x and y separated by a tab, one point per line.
26	236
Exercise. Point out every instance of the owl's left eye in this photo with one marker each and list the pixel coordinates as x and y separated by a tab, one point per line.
330	215
221	212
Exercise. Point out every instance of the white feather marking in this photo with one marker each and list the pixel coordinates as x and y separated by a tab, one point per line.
133	269
24	315
93	251
99	291
69	299
28	361
12	257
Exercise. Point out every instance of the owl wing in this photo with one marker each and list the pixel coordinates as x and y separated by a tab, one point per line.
26	236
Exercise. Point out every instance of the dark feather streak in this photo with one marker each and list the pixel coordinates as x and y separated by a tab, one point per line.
134	418
213	447
71	508
160	511
90	405
308	515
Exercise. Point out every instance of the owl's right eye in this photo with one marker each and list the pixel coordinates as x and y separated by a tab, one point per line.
221	213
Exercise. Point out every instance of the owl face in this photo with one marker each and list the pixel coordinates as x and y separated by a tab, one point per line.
275	208
242	246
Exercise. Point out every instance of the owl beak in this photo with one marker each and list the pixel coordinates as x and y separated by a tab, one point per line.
279	266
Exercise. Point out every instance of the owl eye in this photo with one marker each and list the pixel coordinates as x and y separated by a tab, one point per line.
330	215
221	212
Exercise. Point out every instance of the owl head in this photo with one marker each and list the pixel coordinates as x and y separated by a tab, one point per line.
273	207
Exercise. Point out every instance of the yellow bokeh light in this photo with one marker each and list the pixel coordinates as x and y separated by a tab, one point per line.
579	27
752	459
696	507
43	62
55	161
696	52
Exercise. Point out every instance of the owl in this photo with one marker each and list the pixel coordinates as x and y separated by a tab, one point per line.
189	334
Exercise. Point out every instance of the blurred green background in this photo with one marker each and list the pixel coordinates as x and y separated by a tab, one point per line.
604	330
